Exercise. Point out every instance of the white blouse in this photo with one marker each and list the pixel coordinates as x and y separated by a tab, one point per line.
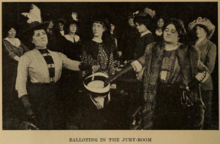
33	64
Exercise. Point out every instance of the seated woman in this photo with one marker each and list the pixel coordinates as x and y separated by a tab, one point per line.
13	49
171	80
203	30
98	51
43	67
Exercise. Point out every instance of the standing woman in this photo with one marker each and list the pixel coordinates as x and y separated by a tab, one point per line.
13	49
71	47
203	29
43	67
158	34
171	80
72	42
143	22
99	50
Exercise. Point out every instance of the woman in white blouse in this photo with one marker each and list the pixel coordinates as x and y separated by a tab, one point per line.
43	67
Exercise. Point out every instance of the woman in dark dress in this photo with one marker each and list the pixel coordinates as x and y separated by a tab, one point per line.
142	22
71	47
158	34
99	50
13	49
203	30
72	42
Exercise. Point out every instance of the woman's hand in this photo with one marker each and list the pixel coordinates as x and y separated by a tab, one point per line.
200	76
16	58
95	68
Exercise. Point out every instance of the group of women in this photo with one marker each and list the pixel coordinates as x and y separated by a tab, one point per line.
170	67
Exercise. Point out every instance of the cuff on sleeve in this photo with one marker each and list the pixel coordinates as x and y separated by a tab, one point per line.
136	66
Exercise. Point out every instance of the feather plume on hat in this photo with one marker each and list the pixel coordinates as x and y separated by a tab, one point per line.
34	21
150	12
34	14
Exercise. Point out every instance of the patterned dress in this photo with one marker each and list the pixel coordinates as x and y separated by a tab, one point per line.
104	60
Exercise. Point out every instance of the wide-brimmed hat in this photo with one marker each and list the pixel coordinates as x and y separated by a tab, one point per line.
95	83
34	22
205	22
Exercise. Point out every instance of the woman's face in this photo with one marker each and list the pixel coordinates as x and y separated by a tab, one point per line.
39	38
61	26
97	29
170	34
160	23
72	28
140	27
50	24
12	33
200	32
112	27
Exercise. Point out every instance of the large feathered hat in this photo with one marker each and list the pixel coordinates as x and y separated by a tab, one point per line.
205	22
34	20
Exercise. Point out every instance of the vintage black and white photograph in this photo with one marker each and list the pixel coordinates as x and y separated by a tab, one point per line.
110	66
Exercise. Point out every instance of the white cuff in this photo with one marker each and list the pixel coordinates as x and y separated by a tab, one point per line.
136	66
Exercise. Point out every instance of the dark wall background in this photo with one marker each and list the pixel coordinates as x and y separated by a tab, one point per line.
187	11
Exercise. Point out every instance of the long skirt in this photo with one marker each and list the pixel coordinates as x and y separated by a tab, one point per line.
46	104
169	113
11	104
207	99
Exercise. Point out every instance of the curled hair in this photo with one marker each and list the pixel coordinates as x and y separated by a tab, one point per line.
179	28
145	20
6	28
70	23
202	26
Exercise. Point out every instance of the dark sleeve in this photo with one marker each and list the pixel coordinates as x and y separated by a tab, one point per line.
24	47
150	39
8	48
147	54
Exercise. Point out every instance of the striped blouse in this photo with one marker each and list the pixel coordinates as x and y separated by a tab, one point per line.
33	64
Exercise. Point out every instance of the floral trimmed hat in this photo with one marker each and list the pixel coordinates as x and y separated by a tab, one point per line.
205	22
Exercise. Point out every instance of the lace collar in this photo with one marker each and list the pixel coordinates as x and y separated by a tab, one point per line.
16	41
